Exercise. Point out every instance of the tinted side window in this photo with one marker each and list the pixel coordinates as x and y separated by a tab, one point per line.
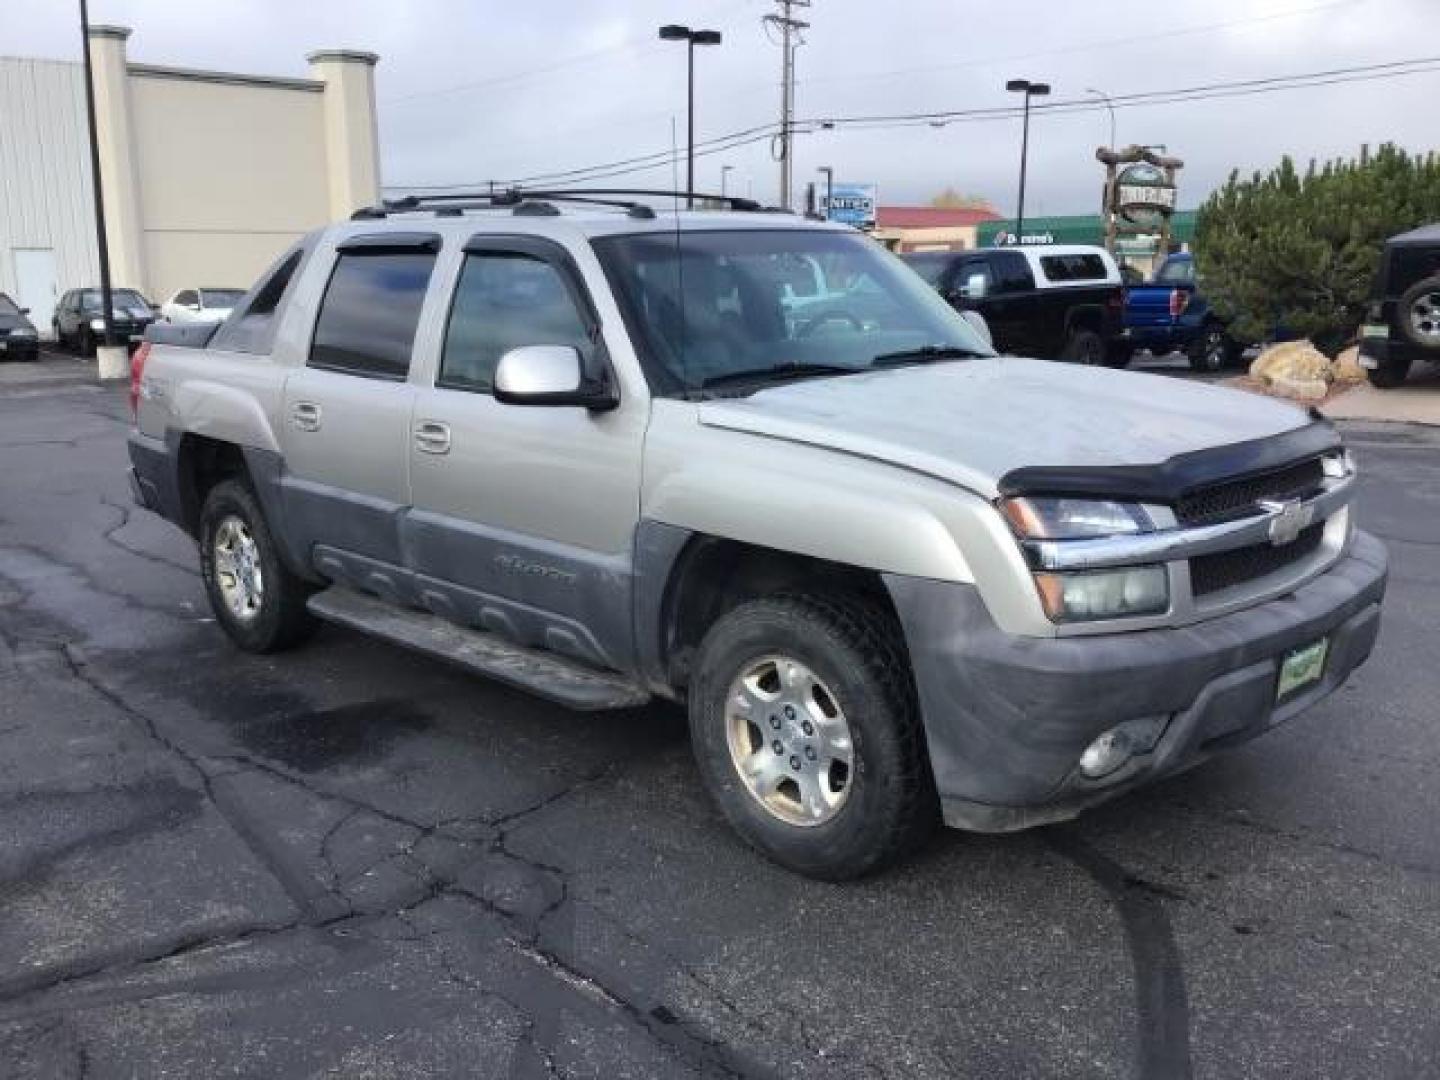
186	297
1012	272
1179	272
1073	267
505	300
369	314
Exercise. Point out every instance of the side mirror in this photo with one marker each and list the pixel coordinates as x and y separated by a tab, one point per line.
549	375
975	287
24	311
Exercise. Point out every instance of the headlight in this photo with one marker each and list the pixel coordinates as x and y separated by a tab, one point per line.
97	324
1074	519
22	332
1104	594
1338	465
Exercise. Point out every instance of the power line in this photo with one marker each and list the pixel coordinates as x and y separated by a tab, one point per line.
1182	95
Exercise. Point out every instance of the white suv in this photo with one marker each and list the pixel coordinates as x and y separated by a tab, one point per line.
201	305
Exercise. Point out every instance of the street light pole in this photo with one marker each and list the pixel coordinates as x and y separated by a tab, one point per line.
673	32
1109	105
1029	89
102	243
725	171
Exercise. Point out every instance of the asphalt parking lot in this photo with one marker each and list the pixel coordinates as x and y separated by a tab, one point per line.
352	861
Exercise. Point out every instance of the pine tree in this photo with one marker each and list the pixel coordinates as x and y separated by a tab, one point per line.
1296	252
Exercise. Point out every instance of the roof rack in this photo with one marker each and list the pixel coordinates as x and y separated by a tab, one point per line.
536	201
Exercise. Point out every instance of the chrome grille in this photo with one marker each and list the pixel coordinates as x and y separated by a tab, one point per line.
1237	498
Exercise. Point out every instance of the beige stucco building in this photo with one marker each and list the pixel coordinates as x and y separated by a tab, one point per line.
206	175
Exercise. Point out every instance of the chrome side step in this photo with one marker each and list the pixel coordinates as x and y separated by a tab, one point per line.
546	674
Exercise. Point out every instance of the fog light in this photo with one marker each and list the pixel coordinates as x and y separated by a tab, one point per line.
1118	745
1104	594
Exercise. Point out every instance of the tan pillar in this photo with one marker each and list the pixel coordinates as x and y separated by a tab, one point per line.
119	177
352	141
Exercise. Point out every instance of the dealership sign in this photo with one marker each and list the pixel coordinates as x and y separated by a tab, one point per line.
1143	194
850	204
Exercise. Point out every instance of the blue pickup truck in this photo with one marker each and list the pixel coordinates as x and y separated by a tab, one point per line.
1170	315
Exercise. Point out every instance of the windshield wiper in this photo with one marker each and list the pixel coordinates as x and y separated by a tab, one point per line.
924	354
777	373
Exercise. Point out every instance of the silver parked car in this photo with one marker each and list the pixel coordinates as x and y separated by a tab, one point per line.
610	455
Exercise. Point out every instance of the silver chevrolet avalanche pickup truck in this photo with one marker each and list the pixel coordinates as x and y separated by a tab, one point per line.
756	465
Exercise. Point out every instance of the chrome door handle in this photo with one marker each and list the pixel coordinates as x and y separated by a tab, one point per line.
305	415
432	437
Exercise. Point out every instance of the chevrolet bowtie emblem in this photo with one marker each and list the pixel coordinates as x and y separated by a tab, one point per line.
1288	518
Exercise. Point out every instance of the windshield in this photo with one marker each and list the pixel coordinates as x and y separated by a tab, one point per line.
121	298
220	298
711	306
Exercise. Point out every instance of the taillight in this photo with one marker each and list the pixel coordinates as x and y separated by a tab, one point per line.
137	372
1178	299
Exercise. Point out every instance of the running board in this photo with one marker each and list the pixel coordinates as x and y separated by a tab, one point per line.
546	674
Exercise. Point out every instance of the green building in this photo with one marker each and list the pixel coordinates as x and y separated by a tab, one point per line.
1139	250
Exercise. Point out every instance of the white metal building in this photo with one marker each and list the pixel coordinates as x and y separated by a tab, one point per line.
207	175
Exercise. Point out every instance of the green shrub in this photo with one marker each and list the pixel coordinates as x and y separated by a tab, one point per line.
1299	252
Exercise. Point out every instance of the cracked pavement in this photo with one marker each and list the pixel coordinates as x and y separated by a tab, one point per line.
352	861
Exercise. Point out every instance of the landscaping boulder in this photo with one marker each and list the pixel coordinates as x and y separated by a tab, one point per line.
1292	362
1347	366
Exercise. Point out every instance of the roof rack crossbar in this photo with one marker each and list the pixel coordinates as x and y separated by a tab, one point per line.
621	198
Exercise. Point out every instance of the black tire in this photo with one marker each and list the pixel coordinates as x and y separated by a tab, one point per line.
1390	373
1213	351
1426	334
1118	354
280	619
854	650
1084	347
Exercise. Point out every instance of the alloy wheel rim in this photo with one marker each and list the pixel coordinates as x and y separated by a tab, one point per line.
789	741
237	568
1425	316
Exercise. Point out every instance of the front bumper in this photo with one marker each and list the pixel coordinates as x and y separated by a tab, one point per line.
1006	718
18	348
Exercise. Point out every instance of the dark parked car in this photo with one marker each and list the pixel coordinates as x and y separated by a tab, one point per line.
78	322
1052	302
18	339
1402	324
1171	315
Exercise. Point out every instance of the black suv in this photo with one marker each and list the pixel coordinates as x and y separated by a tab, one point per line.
1053	302
78	321
18	340
1402	324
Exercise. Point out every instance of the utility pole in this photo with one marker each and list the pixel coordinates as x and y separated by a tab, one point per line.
790	40
102	243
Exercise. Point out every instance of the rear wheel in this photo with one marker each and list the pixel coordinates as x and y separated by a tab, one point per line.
807	733
1213	351
1084	347
257	600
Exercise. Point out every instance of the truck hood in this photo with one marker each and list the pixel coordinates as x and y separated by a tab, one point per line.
971	422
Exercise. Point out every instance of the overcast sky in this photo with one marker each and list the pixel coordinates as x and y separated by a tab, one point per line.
479	89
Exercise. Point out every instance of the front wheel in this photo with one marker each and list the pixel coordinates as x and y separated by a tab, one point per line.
1084	347
255	597
86	346
807	733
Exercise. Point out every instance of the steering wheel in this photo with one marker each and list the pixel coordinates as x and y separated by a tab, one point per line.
807	328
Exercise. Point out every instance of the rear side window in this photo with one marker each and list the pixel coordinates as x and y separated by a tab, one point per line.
370	312
1179	272
505	300
1073	267
1012	272
930	267
187	297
